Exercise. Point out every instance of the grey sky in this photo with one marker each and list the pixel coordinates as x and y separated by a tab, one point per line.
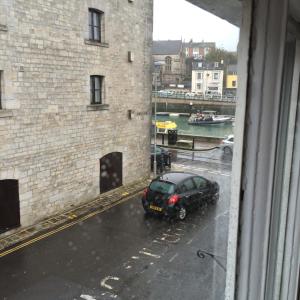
176	19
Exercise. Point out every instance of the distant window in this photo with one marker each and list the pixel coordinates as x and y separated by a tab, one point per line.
199	86
216	65
168	61
95	19
96	86
199	75
234	83
216	75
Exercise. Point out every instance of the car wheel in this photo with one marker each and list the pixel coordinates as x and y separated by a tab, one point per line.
181	214
227	150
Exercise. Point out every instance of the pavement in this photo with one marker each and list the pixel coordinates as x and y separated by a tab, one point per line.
18	237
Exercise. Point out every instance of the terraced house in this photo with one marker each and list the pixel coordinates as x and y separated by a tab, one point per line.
75	102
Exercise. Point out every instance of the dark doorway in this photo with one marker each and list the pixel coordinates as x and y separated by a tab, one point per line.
9	205
110	171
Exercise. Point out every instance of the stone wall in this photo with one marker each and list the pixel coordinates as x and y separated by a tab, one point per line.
50	138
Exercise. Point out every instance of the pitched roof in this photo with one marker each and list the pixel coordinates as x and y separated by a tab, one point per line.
199	45
166	47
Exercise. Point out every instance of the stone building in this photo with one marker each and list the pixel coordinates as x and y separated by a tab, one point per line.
169	55
75	102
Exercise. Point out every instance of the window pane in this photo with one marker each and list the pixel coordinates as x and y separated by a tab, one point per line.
96	19
97	33
97	96
97	83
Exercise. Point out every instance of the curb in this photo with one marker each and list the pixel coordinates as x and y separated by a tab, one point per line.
103	201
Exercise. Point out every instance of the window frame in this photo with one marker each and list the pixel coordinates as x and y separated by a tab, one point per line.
92	26
93	89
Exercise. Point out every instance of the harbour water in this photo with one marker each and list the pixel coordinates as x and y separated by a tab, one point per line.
216	130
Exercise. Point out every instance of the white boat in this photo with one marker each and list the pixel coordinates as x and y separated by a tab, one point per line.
208	117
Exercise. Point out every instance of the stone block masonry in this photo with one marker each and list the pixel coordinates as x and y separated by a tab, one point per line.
50	139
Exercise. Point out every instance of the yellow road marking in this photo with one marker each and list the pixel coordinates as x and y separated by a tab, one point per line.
47	234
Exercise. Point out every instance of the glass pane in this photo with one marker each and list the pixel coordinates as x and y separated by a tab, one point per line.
97	83
97	96
162	187
96	33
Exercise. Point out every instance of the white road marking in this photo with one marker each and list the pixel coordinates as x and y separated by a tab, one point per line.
134	257
128	267
87	297
149	254
173	257
104	284
189	242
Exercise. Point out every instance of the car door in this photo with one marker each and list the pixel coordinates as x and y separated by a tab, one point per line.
203	189
188	192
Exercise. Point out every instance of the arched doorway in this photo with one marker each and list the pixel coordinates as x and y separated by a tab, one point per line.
9	204
111	171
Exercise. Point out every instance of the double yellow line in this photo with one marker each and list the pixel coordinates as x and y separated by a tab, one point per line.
63	227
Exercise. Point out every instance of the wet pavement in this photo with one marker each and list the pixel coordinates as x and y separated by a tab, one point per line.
121	254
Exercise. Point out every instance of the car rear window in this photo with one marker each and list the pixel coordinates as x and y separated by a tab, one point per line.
162	187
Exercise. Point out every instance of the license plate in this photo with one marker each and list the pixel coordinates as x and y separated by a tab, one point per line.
155	208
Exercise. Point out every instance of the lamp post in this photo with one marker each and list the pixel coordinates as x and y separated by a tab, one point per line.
157	67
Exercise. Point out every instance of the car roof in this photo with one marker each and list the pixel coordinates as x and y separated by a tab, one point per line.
176	177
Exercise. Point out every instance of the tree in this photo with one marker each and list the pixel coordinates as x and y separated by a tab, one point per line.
219	54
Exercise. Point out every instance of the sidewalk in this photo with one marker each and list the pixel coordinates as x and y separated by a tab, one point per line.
71	216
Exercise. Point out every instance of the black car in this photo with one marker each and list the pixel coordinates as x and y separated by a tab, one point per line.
163	158
174	194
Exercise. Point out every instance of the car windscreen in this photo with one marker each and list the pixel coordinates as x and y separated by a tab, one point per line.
162	187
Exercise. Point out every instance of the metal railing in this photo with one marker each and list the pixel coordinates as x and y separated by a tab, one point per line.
195	97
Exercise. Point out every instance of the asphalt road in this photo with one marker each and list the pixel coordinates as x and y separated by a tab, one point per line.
120	254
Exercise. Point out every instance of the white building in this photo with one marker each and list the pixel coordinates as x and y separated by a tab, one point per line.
207	78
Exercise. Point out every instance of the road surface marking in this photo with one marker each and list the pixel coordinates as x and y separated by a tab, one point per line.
135	257
149	254
104	284
87	297
189	242
63	227
173	257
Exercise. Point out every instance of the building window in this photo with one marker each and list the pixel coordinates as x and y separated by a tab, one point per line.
199	86
96	84
199	75
216	75
234	83
95	18
168	62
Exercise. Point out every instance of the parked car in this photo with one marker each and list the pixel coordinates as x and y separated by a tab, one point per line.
174	194
163	158
227	144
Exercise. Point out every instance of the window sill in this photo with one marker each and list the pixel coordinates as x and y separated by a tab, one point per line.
95	43
6	113
93	107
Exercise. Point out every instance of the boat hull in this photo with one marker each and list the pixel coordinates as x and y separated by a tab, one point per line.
212	122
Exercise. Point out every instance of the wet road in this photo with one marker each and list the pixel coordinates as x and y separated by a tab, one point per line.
120	254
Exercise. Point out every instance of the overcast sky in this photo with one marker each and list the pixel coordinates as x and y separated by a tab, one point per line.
176	19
